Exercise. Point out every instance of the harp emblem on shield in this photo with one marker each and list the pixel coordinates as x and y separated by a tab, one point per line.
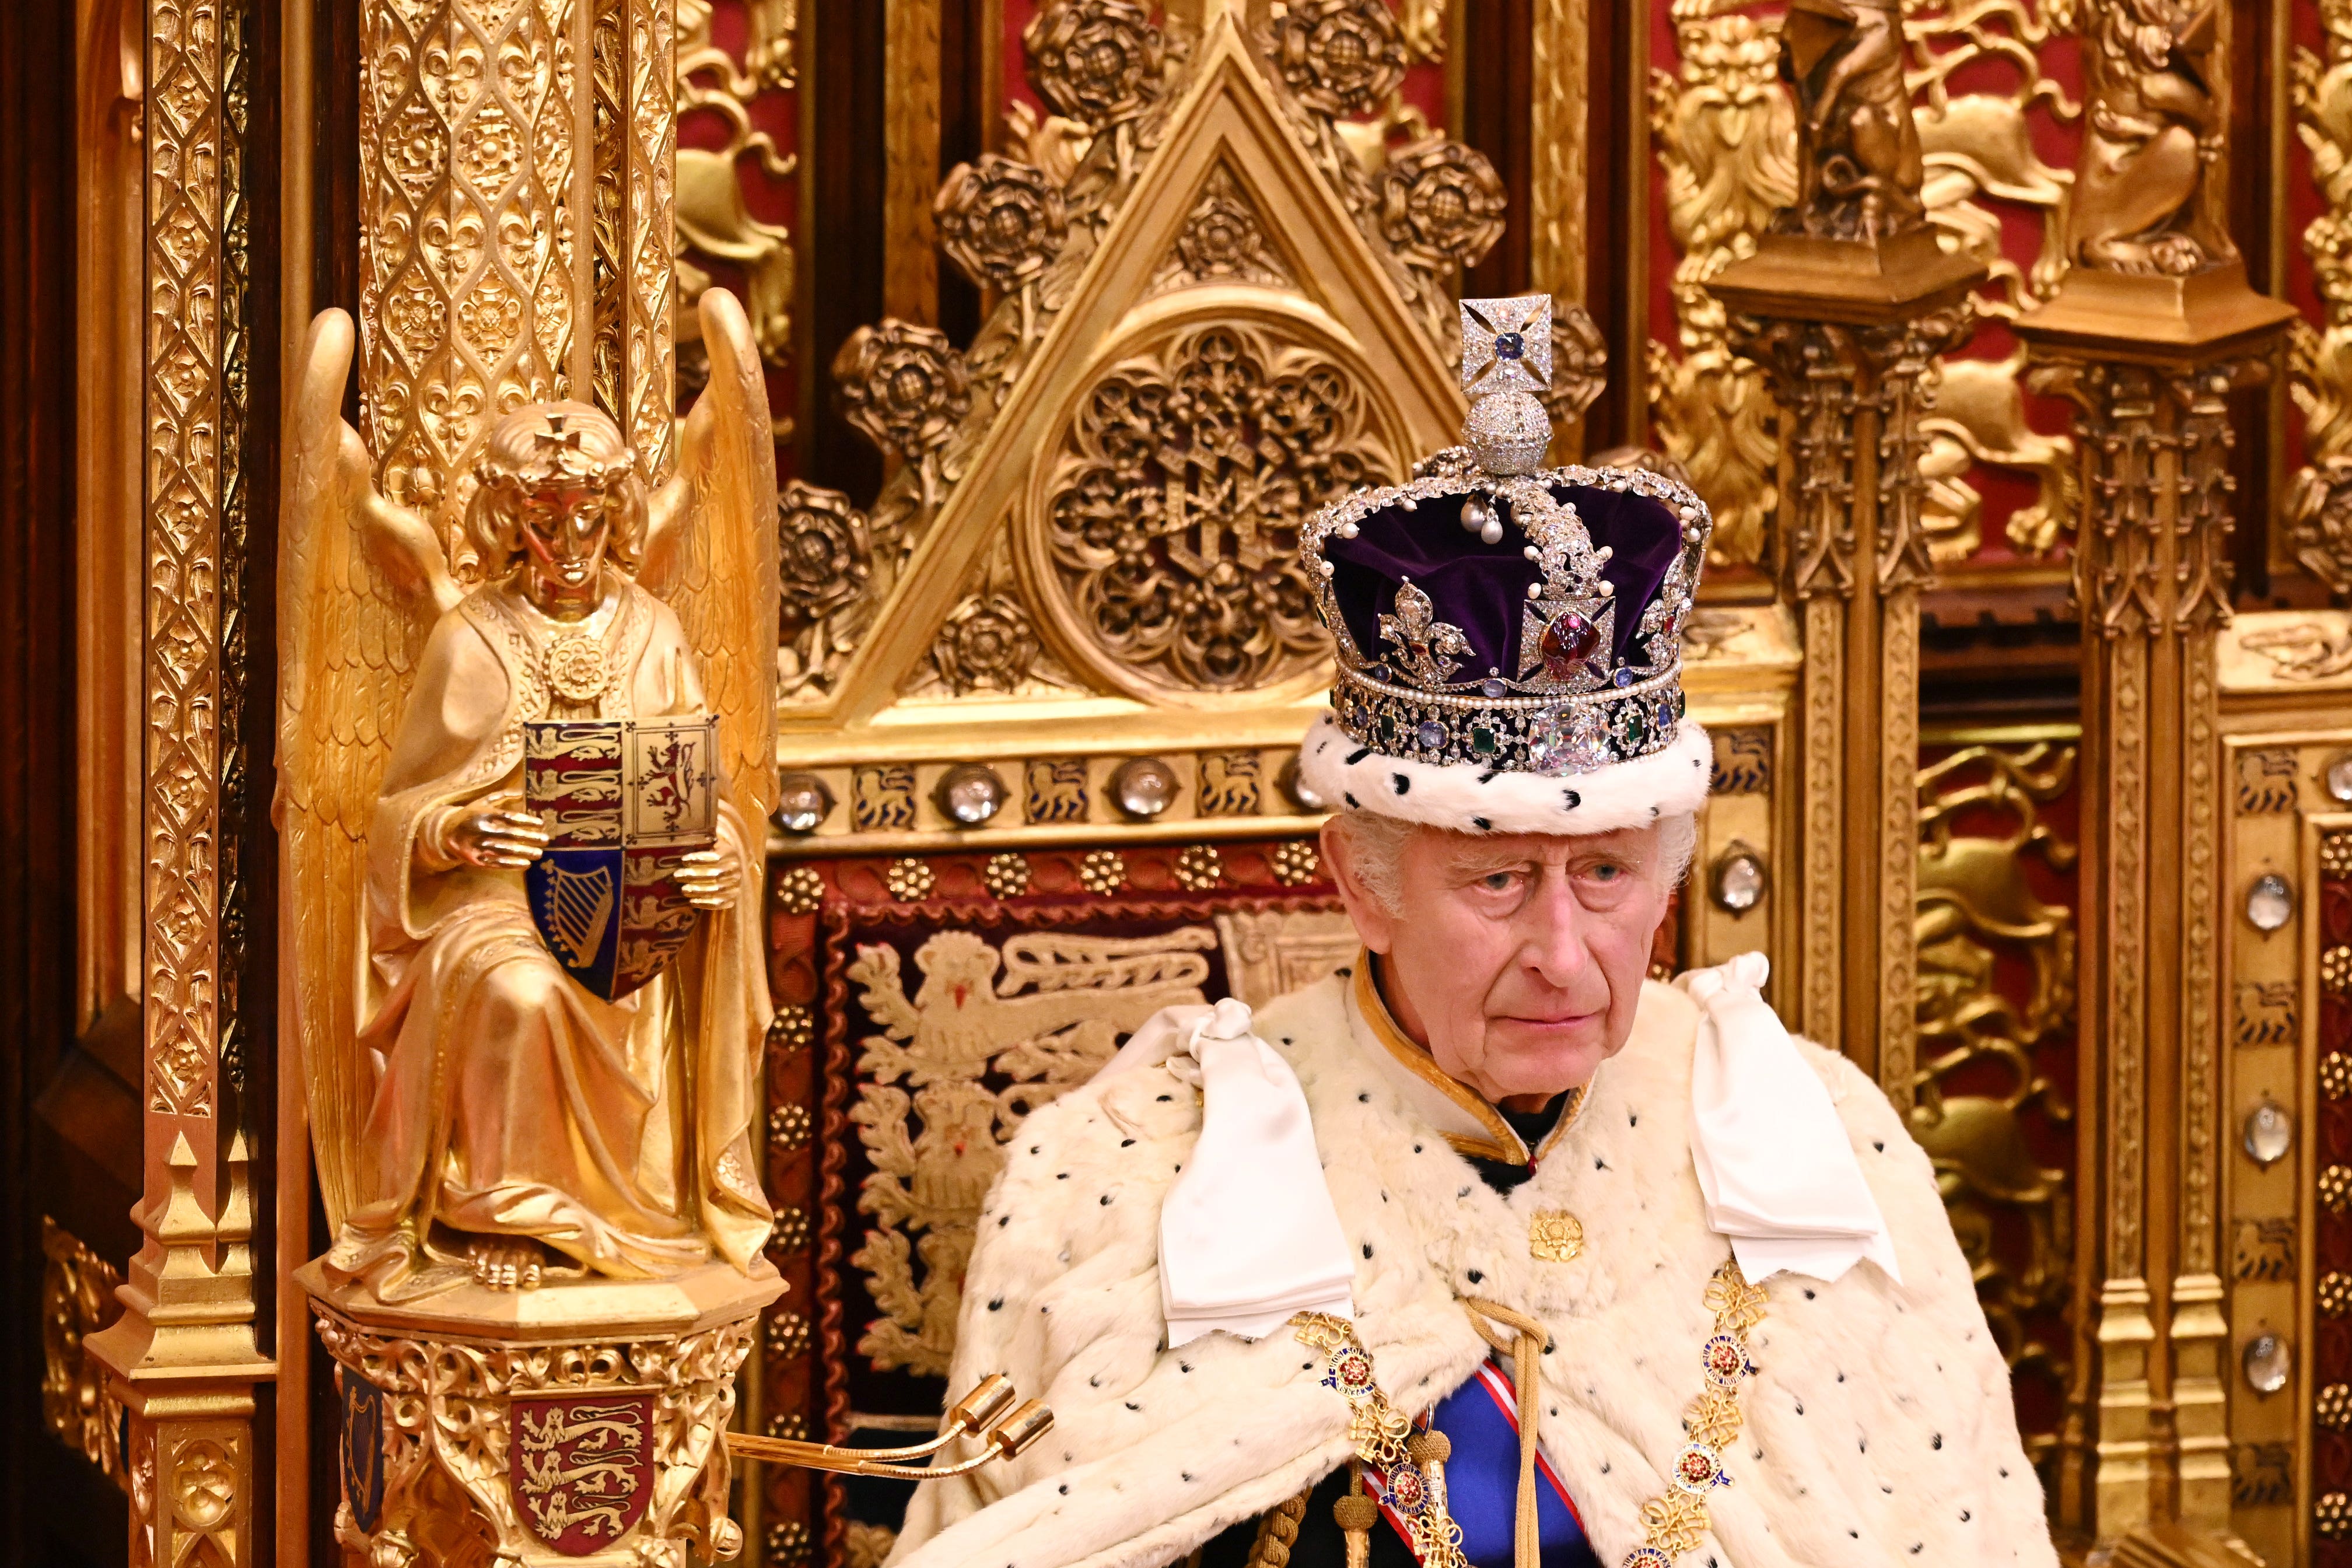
624	799
579	908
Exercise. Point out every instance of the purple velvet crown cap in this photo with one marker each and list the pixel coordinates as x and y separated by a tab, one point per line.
1482	588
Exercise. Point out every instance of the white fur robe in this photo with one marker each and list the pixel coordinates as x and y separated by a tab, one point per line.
1878	1429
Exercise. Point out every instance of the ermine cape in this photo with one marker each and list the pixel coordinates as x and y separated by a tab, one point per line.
1877	1427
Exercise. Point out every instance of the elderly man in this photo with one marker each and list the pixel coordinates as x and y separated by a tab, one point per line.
1487	1250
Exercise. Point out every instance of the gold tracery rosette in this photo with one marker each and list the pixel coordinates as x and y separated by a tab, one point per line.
1160	535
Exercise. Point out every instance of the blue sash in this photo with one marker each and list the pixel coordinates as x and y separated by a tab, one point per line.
1482	1480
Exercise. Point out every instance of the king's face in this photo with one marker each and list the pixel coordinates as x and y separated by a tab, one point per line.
1519	960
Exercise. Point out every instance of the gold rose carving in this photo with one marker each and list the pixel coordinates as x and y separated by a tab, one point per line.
1170	525
1224	240
1097	61
77	1300
1101	65
1001	221
989	642
1338	60
907	389
714	220
1340	56
1977	915
1441	206
2319	506
1727	133
826	558
986	1038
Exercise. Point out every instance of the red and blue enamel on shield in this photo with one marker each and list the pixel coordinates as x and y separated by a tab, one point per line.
624	801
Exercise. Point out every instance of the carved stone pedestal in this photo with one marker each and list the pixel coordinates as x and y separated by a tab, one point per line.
1846	330
578	1424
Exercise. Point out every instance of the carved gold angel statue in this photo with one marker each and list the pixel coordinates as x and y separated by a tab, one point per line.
524	1061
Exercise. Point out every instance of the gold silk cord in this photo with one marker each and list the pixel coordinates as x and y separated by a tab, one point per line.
1523	1344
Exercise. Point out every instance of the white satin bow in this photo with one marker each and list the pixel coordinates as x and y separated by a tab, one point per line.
1774	1164
1248	1236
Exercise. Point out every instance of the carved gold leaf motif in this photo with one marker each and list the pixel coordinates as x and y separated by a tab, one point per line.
1978	914
986	1038
713	215
467	110
1725	135
2320	358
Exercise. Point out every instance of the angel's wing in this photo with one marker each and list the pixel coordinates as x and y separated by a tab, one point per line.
360	584
710	551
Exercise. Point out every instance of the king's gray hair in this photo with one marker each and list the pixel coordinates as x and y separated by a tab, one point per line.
1377	844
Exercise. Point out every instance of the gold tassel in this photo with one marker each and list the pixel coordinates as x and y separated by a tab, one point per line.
1355	1514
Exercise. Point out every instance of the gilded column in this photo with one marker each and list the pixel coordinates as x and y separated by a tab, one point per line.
475	289
182	1359
1559	76
910	154
1844	303
2151	331
635	257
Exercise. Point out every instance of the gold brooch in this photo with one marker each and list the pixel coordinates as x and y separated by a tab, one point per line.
575	668
1556	1237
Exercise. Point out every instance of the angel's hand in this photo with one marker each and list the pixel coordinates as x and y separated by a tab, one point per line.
501	835
711	878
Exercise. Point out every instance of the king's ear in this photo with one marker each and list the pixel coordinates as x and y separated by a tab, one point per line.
1374	922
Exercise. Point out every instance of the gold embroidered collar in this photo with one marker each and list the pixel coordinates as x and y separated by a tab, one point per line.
1473	1127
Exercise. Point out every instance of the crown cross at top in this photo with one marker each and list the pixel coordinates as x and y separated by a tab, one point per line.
1506	344
1428	649
556	434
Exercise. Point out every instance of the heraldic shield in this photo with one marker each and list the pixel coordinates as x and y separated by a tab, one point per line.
582	1467
624	801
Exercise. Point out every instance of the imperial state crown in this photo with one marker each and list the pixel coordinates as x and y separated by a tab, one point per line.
1508	636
